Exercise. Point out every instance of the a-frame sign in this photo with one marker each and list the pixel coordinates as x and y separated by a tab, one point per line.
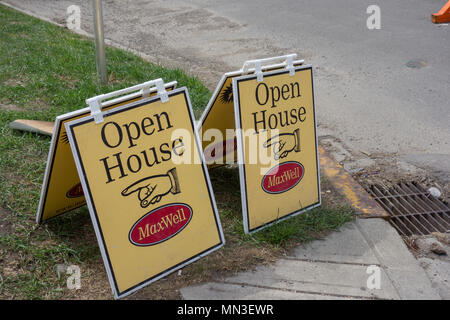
147	187
276	140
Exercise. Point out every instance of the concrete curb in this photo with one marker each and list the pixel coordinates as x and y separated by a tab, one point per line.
351	190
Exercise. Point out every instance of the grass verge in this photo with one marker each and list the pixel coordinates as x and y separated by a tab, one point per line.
46	71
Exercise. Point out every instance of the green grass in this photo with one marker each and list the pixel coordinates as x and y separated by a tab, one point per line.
46	71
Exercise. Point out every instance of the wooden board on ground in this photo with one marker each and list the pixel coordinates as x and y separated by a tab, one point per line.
35	126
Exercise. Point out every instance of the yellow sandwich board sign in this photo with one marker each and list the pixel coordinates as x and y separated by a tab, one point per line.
277	144
61	189
147	188
217	124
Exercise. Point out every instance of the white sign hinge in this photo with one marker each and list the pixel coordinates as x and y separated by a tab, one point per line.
161	90
288	62
146	88
96	110
258	71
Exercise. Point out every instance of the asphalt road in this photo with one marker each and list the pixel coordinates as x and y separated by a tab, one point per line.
385	92
366	93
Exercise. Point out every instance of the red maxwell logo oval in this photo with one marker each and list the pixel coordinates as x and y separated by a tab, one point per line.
75	192
220	149
283	177
160	224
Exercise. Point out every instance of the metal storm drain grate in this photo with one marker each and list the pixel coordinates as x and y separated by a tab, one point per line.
412	209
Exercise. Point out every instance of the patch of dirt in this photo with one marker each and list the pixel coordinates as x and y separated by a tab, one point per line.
13	177
10	263
10	107
390	171
94	283
68	81
6	226
433	253
15	82
79	233
381	168
31	106
434	246
36	105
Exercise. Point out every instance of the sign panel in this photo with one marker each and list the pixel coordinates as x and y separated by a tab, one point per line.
277	145
217	123
147	189
61	189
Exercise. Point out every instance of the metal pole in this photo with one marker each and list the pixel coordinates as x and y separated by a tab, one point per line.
99	42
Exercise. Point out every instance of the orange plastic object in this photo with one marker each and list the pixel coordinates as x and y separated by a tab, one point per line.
443	15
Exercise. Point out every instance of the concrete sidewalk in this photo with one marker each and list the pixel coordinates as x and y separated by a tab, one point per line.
333	268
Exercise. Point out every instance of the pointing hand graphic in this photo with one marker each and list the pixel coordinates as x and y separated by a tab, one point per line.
150	190
284	143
